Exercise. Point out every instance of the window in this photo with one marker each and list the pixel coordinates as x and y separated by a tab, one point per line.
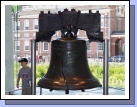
102	21
117	8
26	34
17	35
26	45
36	24
17	45
34	35
26	24
100	45
88	45
36	45
45	45
18	25
25	7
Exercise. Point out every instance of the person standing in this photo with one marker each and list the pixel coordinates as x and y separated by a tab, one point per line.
25	75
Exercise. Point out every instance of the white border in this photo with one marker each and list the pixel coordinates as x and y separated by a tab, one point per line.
126	96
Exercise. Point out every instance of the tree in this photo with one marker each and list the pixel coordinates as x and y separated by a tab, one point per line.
15	10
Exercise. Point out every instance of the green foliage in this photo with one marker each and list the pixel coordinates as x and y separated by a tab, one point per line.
17	67
116	72
41	70
15	8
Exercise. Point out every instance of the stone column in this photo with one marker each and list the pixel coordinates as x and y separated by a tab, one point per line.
9	71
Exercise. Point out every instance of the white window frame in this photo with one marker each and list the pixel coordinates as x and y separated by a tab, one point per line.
118	9
25	24
34	24
15	34
36	46
25	45
18	25
18	44
34	35
25	35
43	47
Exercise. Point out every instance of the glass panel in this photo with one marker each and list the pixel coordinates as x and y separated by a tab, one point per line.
18	25
26	44
100	45
26	34
17	45
26	24
45	45
88	45
26	47
17	35
36	24
36	45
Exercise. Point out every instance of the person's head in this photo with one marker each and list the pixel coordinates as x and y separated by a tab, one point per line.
23	62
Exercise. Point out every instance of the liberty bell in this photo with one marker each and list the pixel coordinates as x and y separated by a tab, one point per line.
68	69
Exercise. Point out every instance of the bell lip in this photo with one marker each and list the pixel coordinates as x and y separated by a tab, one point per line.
71	85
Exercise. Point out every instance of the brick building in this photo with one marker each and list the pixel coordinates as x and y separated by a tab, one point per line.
117	30
112	25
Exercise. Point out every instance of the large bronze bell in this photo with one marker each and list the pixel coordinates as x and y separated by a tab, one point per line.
68	69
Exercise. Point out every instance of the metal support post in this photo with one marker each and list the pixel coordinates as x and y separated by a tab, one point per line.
33	66
105	67
40	91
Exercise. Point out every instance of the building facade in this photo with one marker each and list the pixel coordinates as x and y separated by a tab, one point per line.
117	30
27	26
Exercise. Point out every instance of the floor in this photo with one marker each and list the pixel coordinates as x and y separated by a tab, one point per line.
95	91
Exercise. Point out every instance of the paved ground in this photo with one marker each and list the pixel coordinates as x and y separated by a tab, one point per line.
95	91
